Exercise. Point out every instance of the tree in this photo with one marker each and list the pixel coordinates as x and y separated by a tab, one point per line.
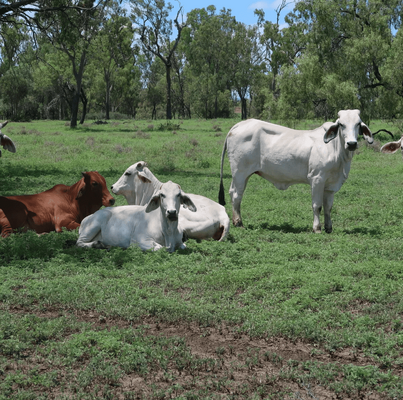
71	31
352	40
155	31
207	43
244	62
111	50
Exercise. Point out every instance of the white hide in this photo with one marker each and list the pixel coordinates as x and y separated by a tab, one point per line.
320	158
150	227
138	184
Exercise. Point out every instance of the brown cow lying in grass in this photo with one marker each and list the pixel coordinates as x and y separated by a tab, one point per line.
60	207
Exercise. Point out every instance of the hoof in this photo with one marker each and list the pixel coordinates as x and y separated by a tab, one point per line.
100	245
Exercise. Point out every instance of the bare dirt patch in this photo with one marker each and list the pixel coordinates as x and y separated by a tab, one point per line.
240	367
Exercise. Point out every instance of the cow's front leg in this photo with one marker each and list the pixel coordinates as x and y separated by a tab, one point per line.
327	208
317	202
67	223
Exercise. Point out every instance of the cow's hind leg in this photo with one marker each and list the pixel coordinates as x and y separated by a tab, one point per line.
236	192
90	234
327	208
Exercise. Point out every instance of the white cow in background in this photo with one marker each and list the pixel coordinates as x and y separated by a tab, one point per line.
320	158
153	226
138	184
5	141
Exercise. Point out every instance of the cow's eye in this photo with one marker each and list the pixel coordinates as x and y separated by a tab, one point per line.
127	173
162	195
94	183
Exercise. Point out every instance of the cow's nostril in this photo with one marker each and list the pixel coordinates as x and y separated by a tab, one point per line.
112	202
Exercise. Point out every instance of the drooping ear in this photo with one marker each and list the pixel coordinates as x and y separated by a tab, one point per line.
154	202
187	202
7	143
81	186
140	165
143	177
391	147
364	130
81	189
331	133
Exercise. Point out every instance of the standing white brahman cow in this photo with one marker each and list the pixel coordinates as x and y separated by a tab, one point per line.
320	158
150	227
5	141
138	184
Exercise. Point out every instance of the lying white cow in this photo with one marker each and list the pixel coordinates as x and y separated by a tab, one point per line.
150	227
320	158
138	184
5	141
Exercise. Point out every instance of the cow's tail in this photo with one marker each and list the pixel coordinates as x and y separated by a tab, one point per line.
221	195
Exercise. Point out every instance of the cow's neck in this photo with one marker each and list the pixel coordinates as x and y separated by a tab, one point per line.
170	232
143	196
342	156
149	189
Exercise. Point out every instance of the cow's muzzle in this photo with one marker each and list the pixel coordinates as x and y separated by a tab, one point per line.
172	215
352	146
111	202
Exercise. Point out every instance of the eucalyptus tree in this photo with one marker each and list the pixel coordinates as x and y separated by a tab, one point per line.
207	43
71	31
352	40
244	62
16	65
155	31
111	51
281	47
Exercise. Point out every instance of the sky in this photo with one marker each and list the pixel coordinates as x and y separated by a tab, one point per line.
243	10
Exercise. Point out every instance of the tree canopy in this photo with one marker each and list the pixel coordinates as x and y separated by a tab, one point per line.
73	59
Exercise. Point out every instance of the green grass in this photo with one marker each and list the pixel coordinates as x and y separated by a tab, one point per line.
273	312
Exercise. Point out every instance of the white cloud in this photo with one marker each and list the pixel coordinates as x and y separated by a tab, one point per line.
277	3
259	5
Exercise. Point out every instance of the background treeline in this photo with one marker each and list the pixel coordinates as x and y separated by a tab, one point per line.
70	59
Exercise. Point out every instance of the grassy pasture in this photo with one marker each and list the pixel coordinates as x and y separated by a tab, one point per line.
275	312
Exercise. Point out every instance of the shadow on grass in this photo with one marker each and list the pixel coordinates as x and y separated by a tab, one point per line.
374	231
285	227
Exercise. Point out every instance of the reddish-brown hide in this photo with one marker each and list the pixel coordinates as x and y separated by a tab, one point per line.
60	207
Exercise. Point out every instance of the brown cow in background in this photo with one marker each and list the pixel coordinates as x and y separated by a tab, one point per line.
5	141
60	207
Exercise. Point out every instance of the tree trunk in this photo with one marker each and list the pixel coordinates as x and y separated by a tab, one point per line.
244	113
76	98
169	105
107	95
74	110
85	102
